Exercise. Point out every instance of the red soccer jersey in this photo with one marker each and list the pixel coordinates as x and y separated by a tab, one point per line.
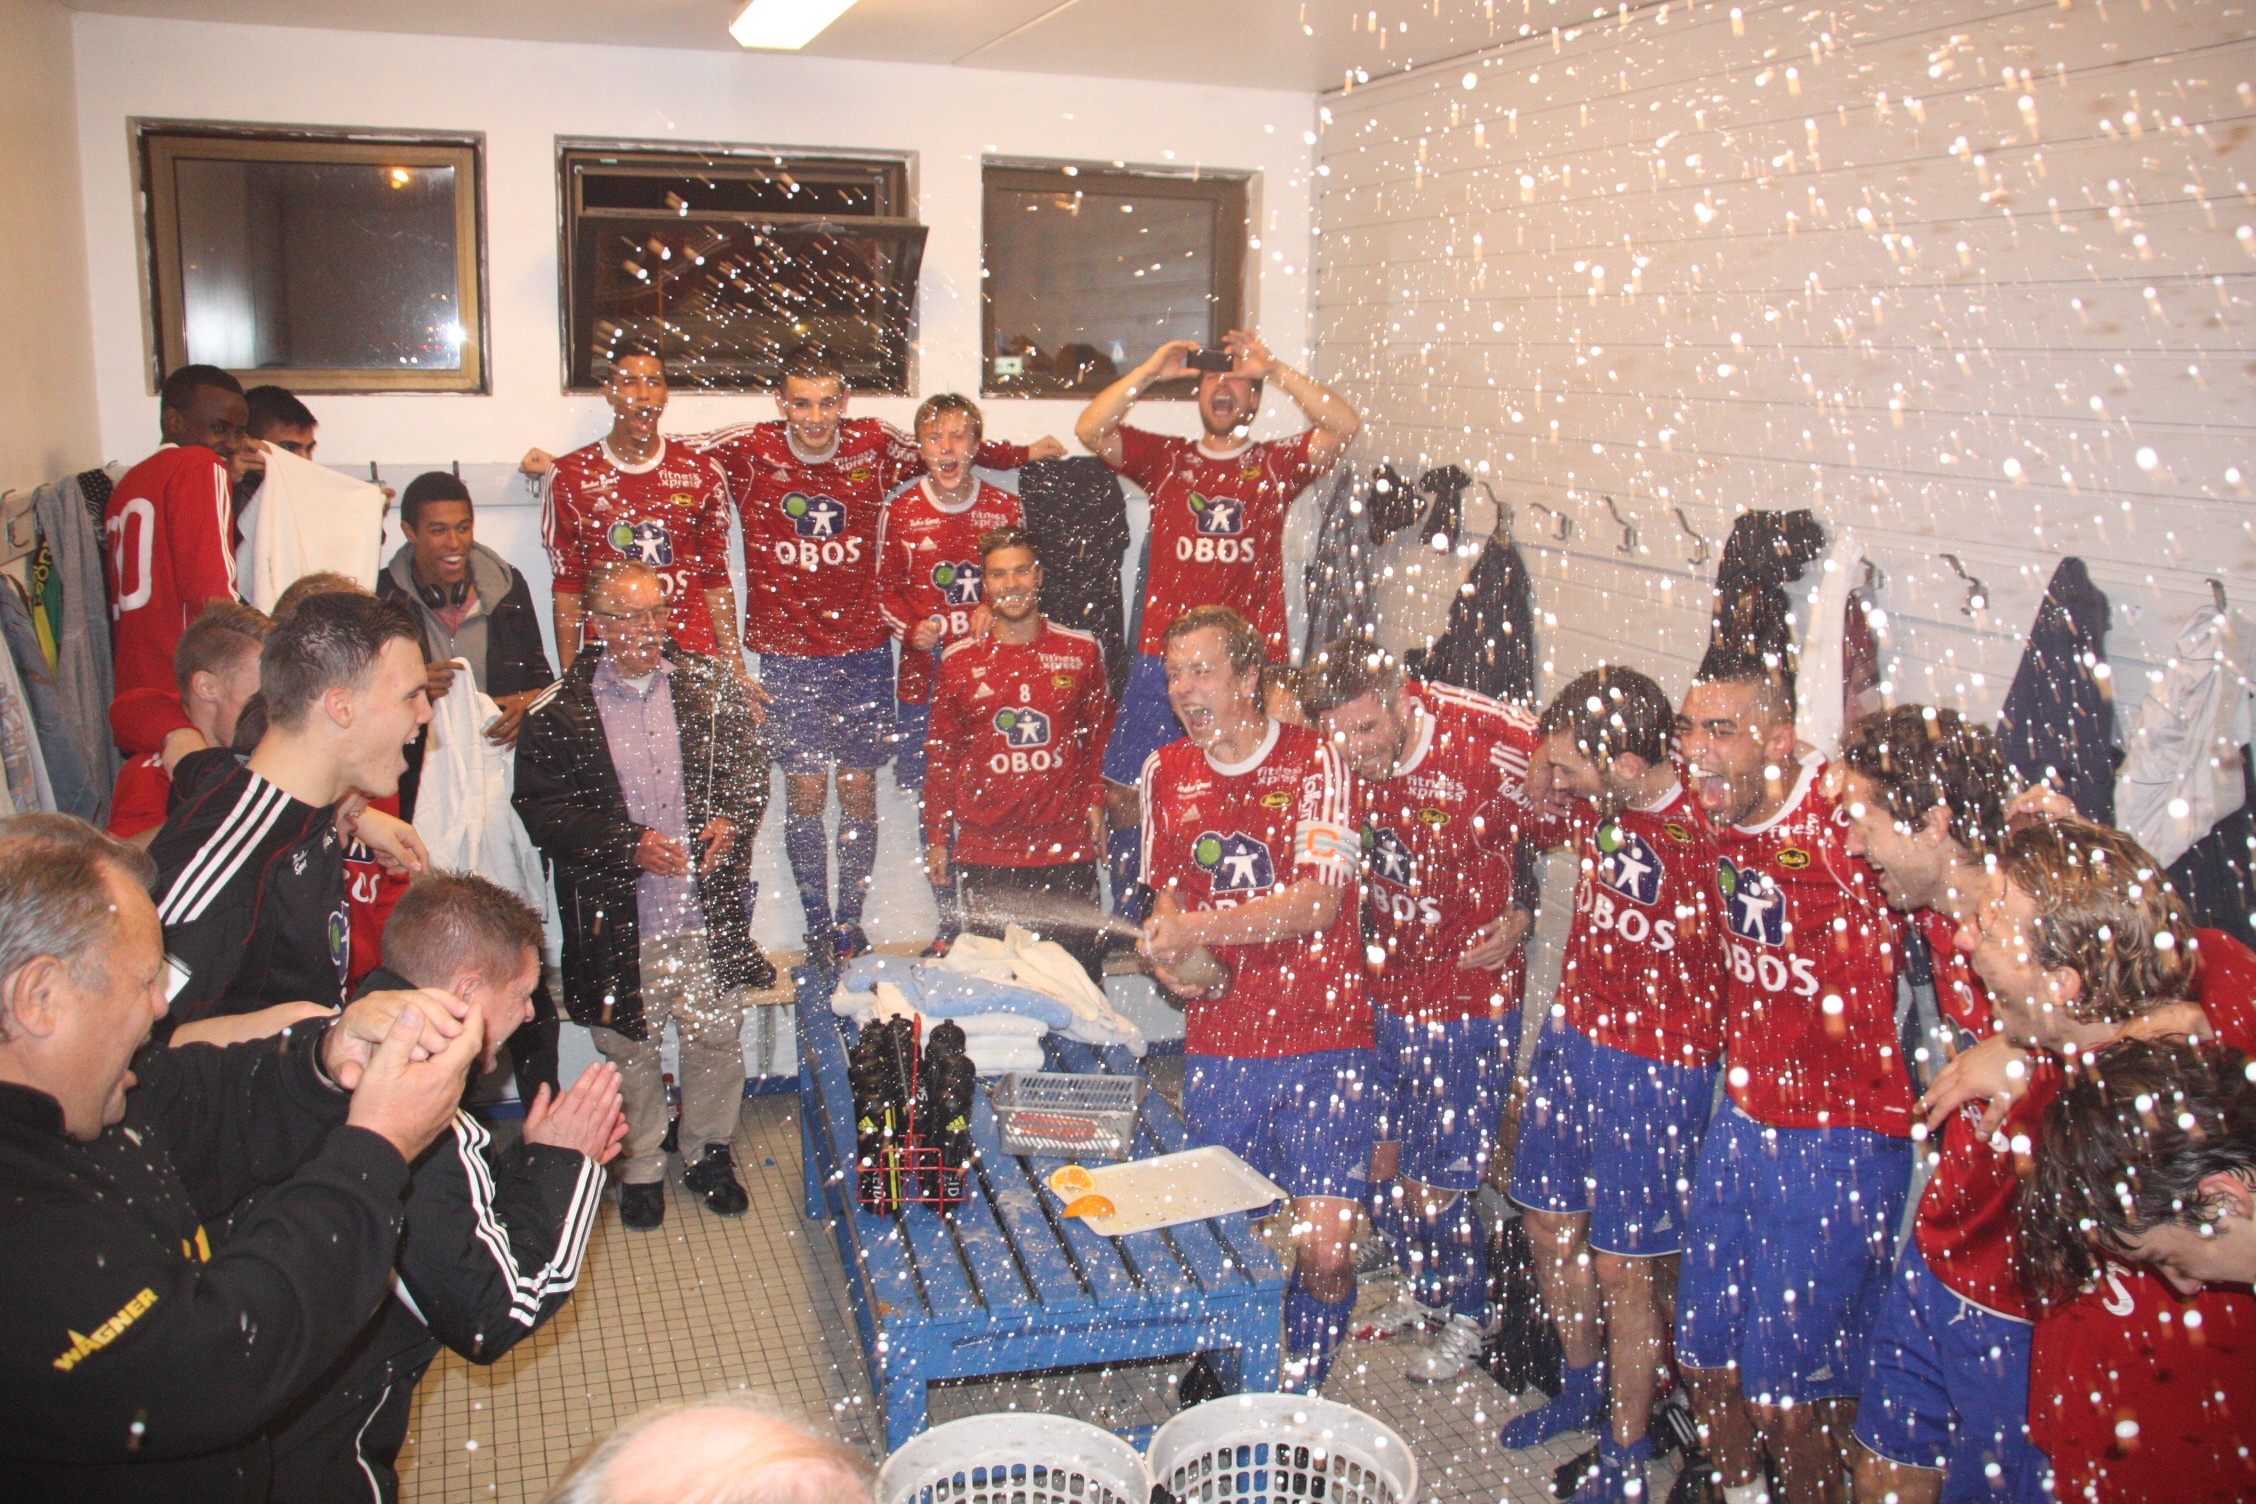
1016	750
370	895
1439	843
671	512
170	525
928	569
2136	1395
141	797
1217	527
810	530
1810	973
1220	835
1644	964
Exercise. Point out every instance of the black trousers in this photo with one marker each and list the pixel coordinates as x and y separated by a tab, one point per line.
1036	898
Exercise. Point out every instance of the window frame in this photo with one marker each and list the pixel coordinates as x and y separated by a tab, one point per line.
892	173
1230	192
159	144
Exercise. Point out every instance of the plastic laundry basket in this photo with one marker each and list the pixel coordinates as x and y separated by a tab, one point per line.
1014	1459
1280	1449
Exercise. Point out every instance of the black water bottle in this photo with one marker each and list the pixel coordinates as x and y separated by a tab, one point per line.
898	1052
866	1070
949	1081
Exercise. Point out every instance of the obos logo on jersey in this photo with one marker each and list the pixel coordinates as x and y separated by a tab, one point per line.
1027	733
1220	520
1627	864
646	542
1237	862
958	584
1395	865
819	526
1753	904
1218	515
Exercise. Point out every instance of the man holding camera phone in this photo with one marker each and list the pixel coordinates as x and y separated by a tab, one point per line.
1218	507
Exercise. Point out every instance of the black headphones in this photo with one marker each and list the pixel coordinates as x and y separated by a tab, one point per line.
440	597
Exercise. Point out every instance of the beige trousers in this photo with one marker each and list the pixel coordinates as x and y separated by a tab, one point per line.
678	984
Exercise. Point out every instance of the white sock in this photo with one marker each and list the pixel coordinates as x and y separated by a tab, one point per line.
1756	1492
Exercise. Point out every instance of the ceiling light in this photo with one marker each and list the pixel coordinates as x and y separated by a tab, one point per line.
786	25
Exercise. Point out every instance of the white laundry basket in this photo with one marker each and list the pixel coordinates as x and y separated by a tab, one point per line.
1014	1458
1280	1449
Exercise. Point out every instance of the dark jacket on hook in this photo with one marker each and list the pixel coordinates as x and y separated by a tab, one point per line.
1076	510
1489	645
1337	577
2059	716
1766	552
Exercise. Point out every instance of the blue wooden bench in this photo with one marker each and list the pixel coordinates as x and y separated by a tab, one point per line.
1006	1283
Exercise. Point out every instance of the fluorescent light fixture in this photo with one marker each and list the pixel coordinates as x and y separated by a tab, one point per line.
786	25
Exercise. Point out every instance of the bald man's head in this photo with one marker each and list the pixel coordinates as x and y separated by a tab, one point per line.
729	1449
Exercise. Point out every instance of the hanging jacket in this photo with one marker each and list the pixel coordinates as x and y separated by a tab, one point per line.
70	785
1336	581
23	763
2058	720
1076	510
1489	645
2181	773
305	518
1392	504
1766	552
1837	667
2217	875
84	680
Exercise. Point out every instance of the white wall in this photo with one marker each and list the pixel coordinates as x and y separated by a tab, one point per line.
1973	276
524	95
48	424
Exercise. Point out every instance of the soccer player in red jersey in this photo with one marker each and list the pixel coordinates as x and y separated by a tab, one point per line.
1249	840
170	524
1945	1410
1014	795
217	668
2137	1396
809	488
633	494
1803	1174
1217	526
1623	1080
1443	774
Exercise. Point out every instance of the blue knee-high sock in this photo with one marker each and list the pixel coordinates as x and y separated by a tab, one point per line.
951	911
1391	1218
1582	1399
1459	1250
1313	1329
810	867
857	859
1124	864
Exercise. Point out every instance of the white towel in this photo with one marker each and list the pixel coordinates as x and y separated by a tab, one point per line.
993	1055
306	518
462	807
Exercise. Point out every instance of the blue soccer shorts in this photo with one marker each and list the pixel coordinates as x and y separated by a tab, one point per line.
1614	1134
1788	1255
1145	722
829	712
911	723
1305	1121
1442	1089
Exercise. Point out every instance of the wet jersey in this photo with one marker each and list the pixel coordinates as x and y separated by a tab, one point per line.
1217	527
1644	964
141	797
928	569
1809	956
1016	751
1218	835
170	532
810	530
670	512
1439	842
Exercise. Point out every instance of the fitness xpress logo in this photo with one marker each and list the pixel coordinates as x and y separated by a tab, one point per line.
1755	908
1627	864
1026	735
1237	862
818	525
958	584
644	542
1220	520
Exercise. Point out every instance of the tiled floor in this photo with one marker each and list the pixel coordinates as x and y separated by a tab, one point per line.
706	1304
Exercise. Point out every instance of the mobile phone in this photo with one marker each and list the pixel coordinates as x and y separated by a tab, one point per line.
1209	360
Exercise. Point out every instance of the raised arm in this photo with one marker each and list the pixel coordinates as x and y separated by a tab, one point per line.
1098	427
1335	423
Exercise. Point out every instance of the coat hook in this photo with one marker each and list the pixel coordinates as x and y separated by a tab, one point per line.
1503	510
2217	593
1700	546
1628	544
1875	578
1977	593
1563	524
373	478
457	464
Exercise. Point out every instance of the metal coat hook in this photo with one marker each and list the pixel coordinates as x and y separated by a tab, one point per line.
1563	525
1503	509
2217	593
1702	551
1875	578
1628	544
1977	593
373	478
457	466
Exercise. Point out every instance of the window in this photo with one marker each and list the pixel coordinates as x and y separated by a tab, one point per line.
1089	269
341	261
724	258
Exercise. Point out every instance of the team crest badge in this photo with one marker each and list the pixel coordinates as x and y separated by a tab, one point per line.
1794	858
1678	833
1276	799
1436	818
683	500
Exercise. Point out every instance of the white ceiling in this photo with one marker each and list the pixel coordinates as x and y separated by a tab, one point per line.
1277	44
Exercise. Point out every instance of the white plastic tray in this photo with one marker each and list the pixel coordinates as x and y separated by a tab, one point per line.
1177	1188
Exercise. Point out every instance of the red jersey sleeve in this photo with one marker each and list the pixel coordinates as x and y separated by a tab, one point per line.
713	531
561	510
1000	454
1145	456
948	736
141	719
1286	461
1326	844
138	803
1098	710
893	576
200	537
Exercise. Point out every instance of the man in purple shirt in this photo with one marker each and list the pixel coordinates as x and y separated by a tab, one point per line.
643	779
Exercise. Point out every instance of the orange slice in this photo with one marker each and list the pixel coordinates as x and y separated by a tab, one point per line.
1072	1181
1091	1205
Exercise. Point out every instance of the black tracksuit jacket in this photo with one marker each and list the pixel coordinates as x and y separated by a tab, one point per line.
142	1353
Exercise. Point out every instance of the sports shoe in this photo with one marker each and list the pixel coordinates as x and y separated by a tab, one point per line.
1580	1404
1446	1353
1400	1314
849	940
1571	1475
1613	1482
762	970
714	1178
643	1207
